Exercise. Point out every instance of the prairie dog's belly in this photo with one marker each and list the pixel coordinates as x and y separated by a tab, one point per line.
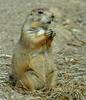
41	63
38	64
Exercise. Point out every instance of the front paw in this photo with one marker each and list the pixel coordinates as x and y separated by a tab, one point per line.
50	33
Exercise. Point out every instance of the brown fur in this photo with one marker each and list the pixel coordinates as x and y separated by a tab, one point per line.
32	61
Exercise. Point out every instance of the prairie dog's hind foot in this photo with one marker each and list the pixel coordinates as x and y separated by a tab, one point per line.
31	81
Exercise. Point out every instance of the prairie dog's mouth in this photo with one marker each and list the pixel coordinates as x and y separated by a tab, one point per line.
49	22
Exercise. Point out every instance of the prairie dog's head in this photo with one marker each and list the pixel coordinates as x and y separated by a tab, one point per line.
41	17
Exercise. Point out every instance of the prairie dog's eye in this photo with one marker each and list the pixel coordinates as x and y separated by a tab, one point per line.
40	12
52	16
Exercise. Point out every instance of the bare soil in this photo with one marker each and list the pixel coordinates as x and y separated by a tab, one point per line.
69	48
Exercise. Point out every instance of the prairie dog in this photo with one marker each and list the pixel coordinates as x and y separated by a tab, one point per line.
32	64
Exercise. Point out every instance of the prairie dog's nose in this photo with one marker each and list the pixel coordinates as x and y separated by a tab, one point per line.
49	22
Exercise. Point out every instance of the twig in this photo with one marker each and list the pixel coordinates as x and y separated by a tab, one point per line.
1	64
83	42
5	55
74	44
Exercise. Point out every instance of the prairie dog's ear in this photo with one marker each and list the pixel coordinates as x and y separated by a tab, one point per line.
30	17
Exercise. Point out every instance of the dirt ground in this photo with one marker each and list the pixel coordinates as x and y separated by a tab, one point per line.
69	48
